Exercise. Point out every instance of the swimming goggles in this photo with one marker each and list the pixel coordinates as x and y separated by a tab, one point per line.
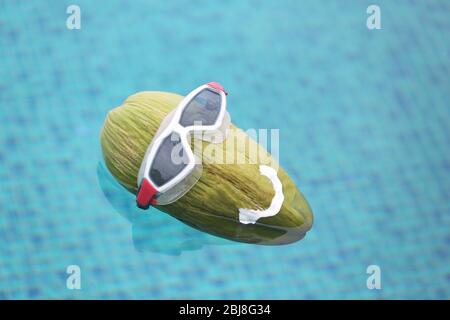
170	168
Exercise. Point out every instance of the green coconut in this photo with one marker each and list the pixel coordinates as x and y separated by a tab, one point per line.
213	204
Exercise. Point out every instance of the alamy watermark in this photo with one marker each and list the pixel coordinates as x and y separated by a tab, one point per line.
73	281
374	278
73	21
236	147
373	21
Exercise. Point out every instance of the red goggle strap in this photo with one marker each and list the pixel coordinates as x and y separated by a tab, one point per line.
217	86
145	196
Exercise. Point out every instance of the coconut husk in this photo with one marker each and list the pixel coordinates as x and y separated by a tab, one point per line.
214	203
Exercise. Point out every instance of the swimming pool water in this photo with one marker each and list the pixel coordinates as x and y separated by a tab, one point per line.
364	120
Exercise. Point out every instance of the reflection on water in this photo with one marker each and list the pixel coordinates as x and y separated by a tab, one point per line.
153	230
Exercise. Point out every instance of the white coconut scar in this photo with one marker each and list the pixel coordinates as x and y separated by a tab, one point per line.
247	216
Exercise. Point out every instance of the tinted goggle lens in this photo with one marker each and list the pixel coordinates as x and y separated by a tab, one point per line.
169	161
204	108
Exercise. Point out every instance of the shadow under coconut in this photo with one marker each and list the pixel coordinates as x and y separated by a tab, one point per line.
153	230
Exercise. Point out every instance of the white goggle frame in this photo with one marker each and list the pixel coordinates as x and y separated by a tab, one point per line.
176	187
